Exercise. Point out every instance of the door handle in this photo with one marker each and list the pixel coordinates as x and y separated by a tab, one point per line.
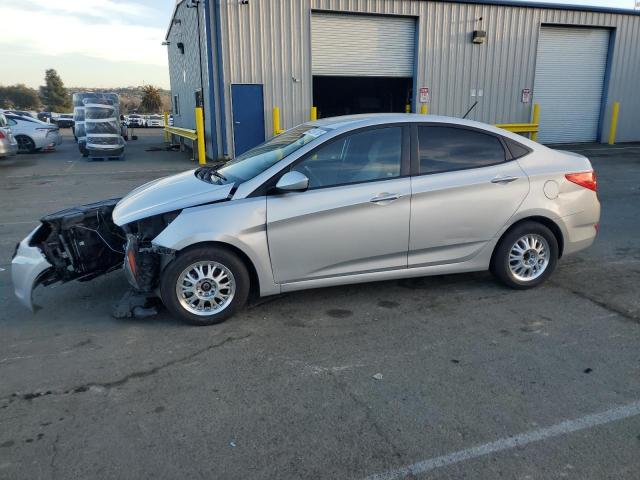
504	179
385	197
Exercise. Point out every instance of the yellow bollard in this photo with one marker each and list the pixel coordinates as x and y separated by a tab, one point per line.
276	122
614	123
166	124
407	108
423	109
536	121
202	158
314	113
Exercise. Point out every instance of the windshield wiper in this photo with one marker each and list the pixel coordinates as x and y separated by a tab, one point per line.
219	175
205	173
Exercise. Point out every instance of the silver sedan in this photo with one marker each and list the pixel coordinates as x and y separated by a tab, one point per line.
336	201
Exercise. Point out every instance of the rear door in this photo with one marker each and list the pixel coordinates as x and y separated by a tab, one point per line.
466	189
354	218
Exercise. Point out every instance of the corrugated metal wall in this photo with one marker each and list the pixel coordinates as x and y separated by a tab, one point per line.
184	69
269	42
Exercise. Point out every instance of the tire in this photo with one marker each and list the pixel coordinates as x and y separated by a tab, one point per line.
535	256
225	264
25	144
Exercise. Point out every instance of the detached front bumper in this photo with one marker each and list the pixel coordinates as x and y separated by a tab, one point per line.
27	268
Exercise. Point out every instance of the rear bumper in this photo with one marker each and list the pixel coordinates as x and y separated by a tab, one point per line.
580	229
27	268
8	149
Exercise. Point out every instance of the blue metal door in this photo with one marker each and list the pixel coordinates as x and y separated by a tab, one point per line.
248	116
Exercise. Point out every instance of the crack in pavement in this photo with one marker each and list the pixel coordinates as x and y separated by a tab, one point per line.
395	451
54	455
121	381
628	315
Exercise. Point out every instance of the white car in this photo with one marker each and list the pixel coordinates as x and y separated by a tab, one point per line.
135	120
155	121
32	134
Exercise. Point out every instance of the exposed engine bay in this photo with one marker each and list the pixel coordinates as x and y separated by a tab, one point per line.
82	243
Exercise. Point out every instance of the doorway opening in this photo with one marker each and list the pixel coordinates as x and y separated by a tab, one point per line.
335	96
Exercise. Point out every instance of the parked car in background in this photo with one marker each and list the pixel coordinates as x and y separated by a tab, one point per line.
33	134
332	202
64	120
135	120
155	121
44	116
8	143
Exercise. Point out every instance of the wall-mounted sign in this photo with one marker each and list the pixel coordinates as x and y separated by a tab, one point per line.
526	95
424	95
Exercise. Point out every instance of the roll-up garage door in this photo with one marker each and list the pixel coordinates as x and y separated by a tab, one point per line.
569	82
362	45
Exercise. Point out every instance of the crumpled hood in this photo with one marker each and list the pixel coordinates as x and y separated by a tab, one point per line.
167	194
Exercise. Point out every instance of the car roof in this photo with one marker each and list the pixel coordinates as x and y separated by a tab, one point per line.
13	116
350	122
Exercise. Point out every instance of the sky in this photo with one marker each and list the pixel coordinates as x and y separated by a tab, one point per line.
102	43
91	43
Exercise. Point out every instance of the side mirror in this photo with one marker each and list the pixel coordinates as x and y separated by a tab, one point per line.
292	182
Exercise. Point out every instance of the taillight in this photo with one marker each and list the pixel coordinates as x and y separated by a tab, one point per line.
1	135
584	179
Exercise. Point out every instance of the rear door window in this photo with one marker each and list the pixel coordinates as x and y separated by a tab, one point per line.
445	149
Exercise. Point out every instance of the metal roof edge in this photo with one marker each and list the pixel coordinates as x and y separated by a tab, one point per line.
544	5
173	14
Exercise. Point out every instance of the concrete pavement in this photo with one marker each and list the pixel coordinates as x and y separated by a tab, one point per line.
344	382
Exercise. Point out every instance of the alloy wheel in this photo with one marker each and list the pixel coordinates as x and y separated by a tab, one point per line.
205	288
529	257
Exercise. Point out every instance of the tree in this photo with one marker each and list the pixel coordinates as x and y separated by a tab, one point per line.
19	97
151	101
53	94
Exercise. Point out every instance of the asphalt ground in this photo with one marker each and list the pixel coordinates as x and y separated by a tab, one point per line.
441	378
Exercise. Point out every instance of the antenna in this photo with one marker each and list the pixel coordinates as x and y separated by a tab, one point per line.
469	111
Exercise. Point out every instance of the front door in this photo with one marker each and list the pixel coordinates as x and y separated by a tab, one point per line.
466	191
247	105
354	218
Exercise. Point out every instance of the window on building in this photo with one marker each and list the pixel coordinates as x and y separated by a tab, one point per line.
370	155
176	105
445	149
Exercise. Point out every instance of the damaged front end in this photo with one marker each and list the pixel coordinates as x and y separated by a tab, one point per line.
82	243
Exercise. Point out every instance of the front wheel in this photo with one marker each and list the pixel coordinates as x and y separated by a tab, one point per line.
526	256
205	285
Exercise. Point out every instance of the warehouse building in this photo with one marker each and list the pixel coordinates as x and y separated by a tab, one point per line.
241	58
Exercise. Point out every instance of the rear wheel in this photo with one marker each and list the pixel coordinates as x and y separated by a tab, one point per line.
205	285
25	144
526	256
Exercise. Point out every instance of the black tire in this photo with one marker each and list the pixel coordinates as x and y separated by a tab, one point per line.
191	256
25	144
500	266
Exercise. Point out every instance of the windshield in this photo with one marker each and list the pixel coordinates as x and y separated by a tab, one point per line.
260	158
